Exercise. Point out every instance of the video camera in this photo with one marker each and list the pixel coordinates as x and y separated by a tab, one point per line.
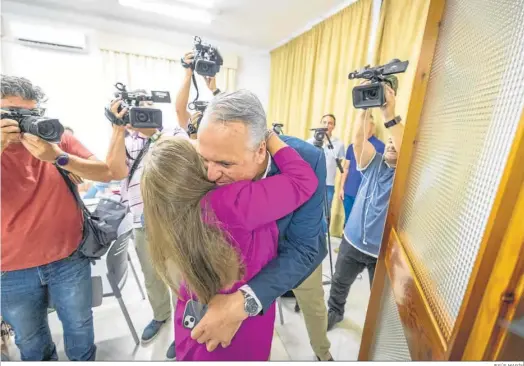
277	128
198	106
137	116
31	121
319	136
373	95
318	141
207	59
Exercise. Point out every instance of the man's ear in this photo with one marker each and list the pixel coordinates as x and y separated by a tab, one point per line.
261	153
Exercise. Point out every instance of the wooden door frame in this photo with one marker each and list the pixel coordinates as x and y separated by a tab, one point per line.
476	334
418	94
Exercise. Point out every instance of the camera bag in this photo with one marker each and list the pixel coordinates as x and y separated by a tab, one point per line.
100	228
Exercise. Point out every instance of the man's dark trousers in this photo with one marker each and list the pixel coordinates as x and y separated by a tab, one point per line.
350	262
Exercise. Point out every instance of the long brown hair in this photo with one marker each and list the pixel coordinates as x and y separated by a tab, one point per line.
185	241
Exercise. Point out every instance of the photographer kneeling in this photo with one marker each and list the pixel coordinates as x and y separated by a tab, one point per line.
127	148
363	232
42	228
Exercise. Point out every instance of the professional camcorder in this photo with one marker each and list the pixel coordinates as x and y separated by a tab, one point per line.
373	95
319	136
137	116
318	141
31	121
207	59
198	106
277	128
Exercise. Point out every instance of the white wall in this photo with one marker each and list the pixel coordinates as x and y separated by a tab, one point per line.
254	74
72	79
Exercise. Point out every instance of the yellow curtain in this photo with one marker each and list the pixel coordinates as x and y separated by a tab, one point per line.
399	36
309	78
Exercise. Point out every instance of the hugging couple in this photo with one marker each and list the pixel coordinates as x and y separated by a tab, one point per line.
233	222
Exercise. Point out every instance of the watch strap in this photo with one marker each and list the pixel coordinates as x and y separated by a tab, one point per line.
251	298
216	92
393	122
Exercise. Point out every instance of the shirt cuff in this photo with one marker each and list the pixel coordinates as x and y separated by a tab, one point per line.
248	290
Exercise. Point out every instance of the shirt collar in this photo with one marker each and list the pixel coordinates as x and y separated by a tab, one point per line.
268	168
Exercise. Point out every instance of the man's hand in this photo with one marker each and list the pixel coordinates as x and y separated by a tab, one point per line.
341	195
225	314
41	149
388	109
114	109
211	83
188	59
10	132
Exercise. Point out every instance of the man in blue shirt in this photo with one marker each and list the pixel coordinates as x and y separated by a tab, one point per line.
231	139
363	232
351	178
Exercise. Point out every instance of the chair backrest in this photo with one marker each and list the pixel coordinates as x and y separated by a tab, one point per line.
116	258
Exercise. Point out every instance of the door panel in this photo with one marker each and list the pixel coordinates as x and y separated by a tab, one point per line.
456	183
390	343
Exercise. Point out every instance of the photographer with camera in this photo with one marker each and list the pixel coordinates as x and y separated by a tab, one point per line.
42	227
186	120
334	153
363	232
125	160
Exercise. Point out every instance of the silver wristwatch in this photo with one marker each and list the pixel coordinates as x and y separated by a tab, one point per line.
250	304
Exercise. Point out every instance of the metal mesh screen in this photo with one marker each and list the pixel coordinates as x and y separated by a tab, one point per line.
473	105
390	342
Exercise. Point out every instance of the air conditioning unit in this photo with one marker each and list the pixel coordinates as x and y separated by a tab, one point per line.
48	37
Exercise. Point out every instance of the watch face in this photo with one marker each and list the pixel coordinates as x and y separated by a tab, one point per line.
251	306
62	160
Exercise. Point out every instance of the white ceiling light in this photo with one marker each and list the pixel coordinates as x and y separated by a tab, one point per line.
208	4
183	12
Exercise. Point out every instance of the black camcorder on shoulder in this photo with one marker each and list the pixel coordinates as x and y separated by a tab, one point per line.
139	116
31	121
373	95
207	59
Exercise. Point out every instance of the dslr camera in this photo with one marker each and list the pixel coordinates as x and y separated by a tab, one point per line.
138	116
31	121
373	95
207	59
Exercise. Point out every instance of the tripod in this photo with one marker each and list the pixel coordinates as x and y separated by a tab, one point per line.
319	142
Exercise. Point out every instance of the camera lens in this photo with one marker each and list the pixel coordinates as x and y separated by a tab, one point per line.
46	130
370	94
142	117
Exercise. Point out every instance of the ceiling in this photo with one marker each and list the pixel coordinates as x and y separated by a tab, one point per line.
261	24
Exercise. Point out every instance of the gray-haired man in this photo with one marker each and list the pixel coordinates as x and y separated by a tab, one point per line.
231	139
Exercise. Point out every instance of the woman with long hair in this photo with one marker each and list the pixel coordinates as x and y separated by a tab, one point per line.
207	239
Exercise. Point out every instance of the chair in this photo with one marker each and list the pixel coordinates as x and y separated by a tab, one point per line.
118	262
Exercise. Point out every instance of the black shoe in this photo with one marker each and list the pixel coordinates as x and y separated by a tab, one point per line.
297	307
171	352
333	319
330	359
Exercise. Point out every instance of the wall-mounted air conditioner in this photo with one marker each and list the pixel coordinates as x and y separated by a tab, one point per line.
48	37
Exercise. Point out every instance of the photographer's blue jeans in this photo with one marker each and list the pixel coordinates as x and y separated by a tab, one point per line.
25	297
330	190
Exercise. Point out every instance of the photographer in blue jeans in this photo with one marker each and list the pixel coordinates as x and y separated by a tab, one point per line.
41	231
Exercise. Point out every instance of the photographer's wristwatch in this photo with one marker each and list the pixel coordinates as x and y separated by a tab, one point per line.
393	122
62	160
250	304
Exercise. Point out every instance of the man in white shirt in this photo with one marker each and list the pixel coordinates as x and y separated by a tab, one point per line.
332	155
